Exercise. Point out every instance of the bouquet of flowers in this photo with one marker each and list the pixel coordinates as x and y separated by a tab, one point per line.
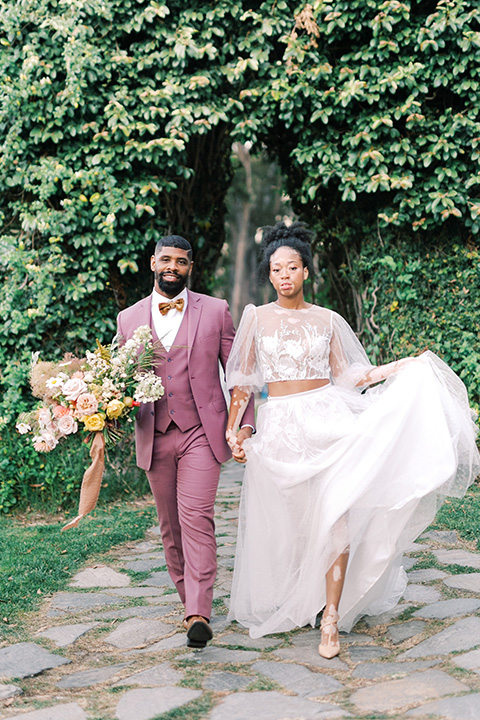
98	394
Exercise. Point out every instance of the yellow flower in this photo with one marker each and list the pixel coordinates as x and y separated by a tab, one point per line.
114	408
94	422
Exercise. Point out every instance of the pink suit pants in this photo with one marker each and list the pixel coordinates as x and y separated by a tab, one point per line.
184	479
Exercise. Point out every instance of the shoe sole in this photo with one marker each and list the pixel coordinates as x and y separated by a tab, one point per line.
198	634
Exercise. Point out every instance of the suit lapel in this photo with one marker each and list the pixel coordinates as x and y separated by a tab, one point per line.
157	343
144	312
143	316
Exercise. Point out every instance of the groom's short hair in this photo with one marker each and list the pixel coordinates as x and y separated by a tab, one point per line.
176	241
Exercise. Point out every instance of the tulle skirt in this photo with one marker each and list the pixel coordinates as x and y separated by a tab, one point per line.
333	469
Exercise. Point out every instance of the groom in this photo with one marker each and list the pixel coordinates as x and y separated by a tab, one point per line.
180	439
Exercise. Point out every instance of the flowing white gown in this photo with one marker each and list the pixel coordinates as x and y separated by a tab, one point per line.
336	468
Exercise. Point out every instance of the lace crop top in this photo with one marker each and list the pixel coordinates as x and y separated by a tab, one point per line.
274	344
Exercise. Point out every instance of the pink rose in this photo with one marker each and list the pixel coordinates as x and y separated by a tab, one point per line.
87	404
59	411
73	388
66	425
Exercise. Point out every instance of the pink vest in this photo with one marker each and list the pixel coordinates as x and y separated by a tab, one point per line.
177	404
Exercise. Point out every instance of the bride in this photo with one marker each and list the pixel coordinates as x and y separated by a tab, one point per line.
349	464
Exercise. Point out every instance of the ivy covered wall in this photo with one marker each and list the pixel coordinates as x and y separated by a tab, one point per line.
117	119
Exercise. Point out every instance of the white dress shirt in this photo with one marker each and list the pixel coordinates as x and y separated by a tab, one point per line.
167	326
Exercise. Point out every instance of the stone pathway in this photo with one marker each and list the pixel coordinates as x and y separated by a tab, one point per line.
112	646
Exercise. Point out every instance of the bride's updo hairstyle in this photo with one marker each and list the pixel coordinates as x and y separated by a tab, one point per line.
295	236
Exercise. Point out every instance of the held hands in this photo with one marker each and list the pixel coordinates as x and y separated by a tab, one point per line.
235	442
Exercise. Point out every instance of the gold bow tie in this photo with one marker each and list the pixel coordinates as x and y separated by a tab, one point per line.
173	304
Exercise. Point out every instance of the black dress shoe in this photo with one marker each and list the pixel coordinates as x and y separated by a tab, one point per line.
199	632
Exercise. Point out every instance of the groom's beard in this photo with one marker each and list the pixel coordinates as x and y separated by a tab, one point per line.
170	287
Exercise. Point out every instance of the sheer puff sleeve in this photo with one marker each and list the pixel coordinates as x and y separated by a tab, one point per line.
349	364
242	369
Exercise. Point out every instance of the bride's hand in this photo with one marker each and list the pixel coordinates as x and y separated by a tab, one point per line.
403	362
235	443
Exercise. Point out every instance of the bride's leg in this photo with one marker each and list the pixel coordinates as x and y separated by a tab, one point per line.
335	577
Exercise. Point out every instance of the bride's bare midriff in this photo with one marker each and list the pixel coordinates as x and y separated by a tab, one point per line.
290	387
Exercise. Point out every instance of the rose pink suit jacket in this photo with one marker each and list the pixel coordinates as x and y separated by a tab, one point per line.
210	337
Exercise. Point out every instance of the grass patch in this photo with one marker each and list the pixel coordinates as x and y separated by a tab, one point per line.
263	684
139	575
194	710
407	614
462	515
459	569
194	677
219	606
428	561
37	561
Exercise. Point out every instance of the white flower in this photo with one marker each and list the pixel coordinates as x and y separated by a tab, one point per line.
34	359
110	389
23	428
55	383
73	388
149	388
142	334
44	418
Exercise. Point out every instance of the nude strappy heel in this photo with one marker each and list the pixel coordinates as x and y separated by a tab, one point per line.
330	644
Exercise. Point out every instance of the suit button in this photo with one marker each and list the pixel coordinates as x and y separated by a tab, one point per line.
170	394
172	412
169	360
169	377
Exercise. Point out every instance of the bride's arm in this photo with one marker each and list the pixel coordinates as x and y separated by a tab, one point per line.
349	364
243	378
235	437
378	373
